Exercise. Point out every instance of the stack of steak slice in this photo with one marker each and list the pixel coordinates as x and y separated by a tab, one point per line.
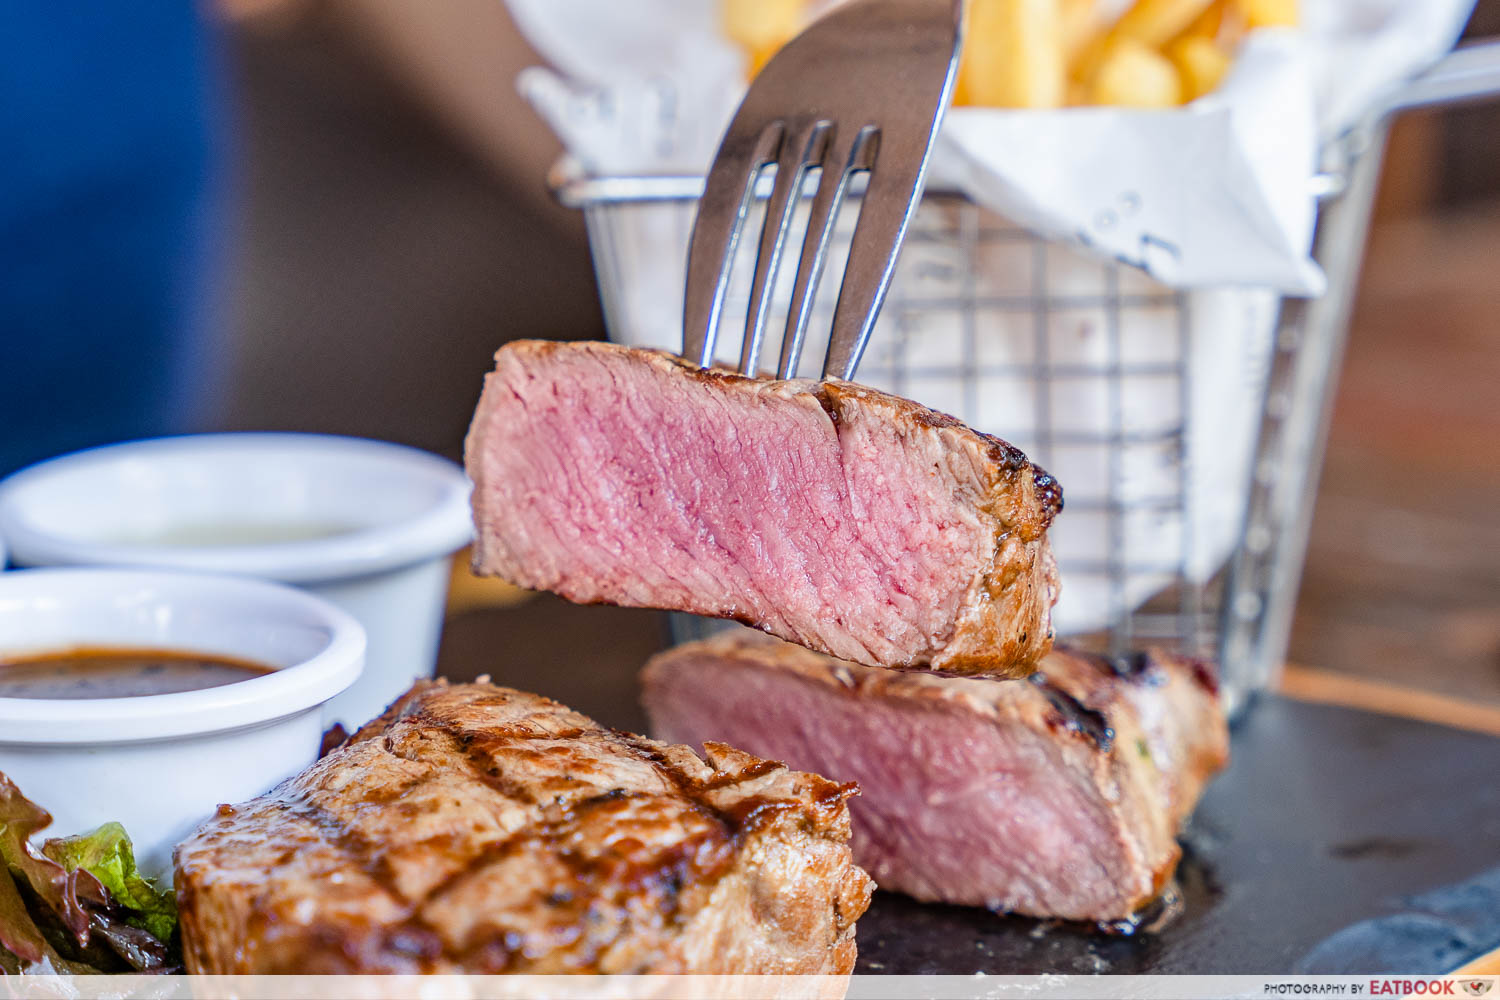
1059	796
850	521
874	533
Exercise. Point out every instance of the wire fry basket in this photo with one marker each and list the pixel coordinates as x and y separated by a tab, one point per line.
1186	426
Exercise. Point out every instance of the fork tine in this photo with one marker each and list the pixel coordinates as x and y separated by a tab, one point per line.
887	207
803	149
880	70
846	157
716	232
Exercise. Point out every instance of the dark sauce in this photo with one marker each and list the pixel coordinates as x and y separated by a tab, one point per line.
88	672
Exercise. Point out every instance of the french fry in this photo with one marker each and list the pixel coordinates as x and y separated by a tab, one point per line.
1201	64
761	27
1080	23
1270	13
758	57
961	96
1153	23
1224	23
1084	64
1134	75
1209	23
1013	55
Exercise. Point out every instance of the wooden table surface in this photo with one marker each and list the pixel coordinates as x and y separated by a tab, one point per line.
1402	583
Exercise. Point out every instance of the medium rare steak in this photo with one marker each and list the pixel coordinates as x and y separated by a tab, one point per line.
473	828
827	513
1058	796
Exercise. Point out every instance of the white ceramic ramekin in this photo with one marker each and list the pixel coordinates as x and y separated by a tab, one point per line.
395	515
160	764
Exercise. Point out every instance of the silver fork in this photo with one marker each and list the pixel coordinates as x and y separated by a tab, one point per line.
861	90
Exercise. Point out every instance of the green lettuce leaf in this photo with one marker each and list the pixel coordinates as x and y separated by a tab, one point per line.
62	919
107	854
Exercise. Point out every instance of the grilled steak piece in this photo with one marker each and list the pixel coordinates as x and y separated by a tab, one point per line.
473	828
833	515
1058	796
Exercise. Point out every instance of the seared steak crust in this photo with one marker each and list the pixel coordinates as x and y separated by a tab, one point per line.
474	828
827	513
1059	796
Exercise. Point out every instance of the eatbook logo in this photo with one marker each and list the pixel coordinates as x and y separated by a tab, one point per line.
1475	987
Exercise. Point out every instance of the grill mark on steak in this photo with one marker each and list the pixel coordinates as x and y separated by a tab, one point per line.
414	941
1075	717
398	948
1049	491
1141	668
471	749
1206	674
349	841
747	814
493	776
702	860
1131	666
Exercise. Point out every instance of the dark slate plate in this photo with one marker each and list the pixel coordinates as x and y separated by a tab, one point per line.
1327	817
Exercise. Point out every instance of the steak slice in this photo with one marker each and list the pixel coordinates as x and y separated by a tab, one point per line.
833	515
477	829
1059	796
